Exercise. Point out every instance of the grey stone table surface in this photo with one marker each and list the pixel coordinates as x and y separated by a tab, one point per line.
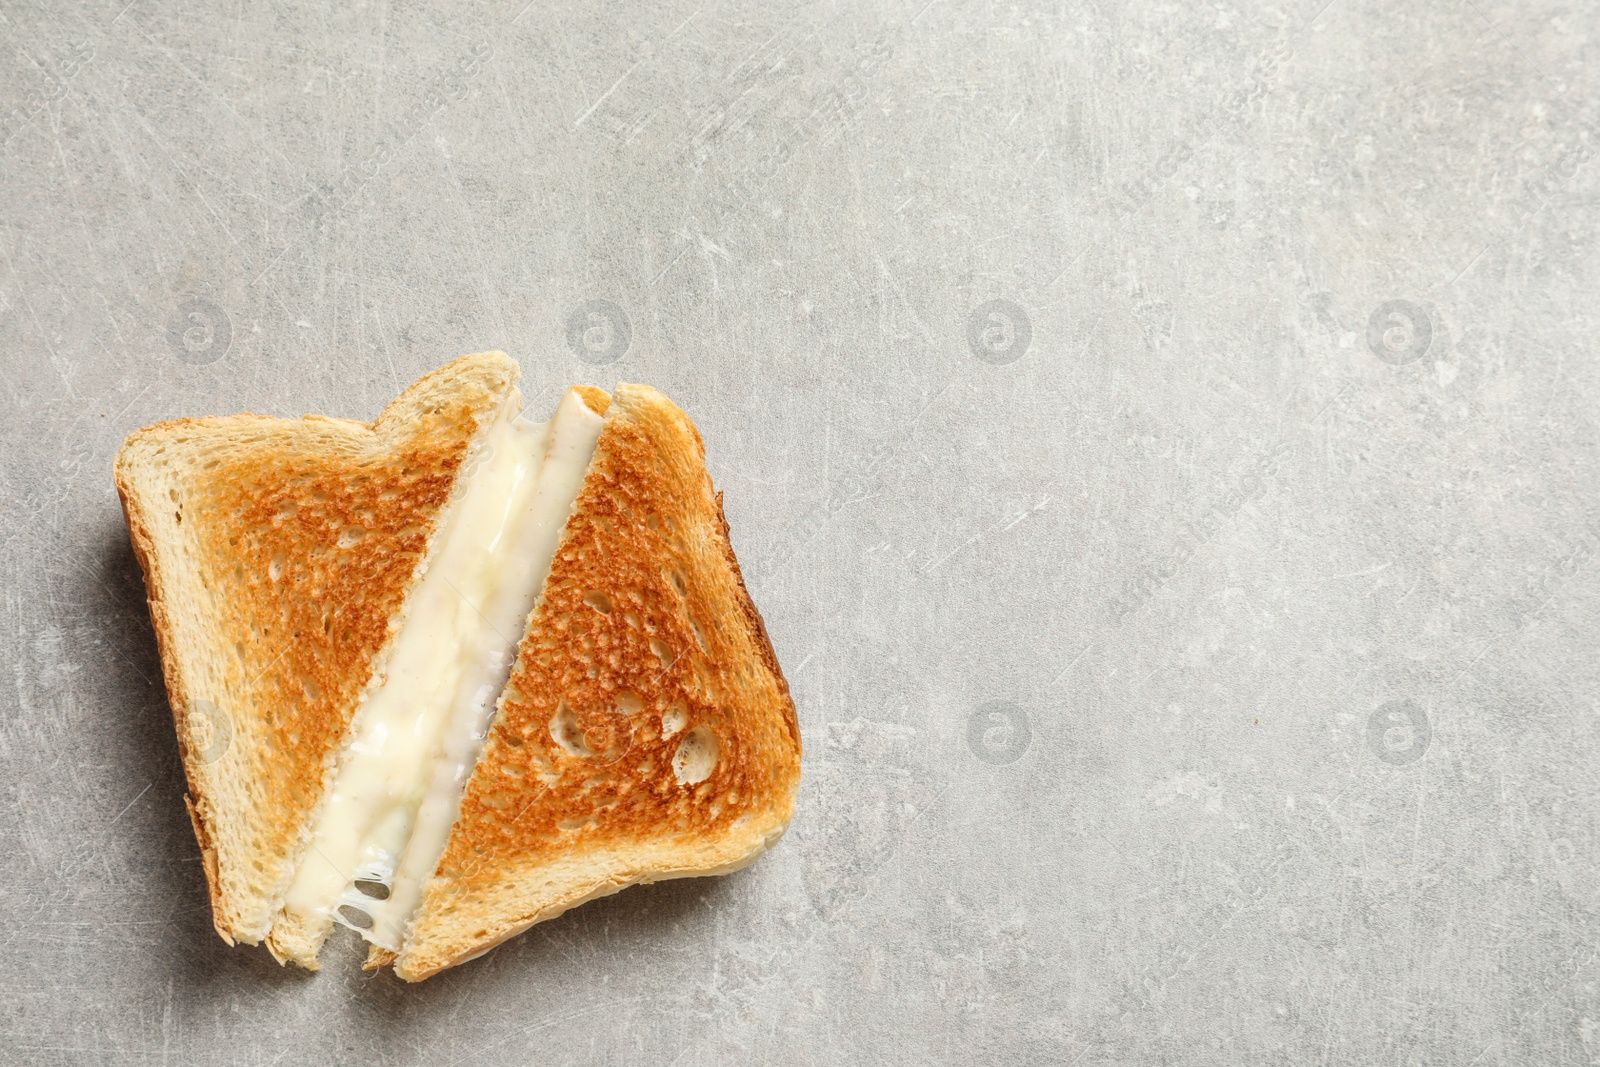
1162	440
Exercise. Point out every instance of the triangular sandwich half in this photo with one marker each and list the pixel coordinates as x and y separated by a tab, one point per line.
647	731
277	556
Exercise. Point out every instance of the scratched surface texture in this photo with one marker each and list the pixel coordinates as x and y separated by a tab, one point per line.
1162	439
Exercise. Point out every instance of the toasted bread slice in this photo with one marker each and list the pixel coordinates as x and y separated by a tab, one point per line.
277	556
647	731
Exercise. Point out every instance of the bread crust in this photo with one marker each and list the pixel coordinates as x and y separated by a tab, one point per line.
758	627
644	634
208	859
277	554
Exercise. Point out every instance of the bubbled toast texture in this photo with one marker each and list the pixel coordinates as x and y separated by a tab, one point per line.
644	636
277	554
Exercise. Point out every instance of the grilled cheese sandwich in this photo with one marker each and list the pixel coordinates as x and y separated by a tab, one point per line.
532	569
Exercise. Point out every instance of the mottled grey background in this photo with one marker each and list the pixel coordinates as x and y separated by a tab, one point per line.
1162	438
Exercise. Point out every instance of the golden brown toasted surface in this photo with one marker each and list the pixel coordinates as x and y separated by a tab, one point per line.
647	731
276	555
378	958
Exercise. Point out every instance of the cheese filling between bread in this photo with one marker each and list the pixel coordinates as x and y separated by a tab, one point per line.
420	730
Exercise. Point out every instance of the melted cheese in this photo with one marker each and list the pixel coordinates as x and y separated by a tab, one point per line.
419	731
